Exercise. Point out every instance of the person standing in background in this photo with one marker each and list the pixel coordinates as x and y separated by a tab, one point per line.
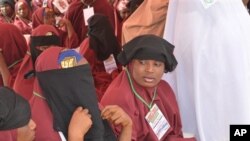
78	9
147	18
212	79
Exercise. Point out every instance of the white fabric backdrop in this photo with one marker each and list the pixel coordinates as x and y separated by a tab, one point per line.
212	79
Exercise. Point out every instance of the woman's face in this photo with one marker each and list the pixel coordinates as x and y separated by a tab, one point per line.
22	10
49	17
147	73
27	133
6	10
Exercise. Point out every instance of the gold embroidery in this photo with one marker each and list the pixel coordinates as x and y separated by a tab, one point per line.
68	62
38	95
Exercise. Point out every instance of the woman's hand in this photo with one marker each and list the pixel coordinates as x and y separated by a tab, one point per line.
115	115
79	125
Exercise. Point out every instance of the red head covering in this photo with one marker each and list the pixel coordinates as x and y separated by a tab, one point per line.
37	4
37	17
13	47
19	2
23	23
42	30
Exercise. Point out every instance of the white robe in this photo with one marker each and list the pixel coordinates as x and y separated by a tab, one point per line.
212	78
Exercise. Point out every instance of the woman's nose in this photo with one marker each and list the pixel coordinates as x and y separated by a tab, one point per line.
149	68
32	125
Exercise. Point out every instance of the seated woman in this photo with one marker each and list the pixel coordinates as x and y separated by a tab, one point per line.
12	50
101	49
66	82
7	11
15	119
66	31
40	36
23	17
139	90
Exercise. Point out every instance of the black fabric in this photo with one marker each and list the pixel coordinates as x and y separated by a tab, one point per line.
102	38
14	110
149	47
66	89
36	41
10	2
248	6
134	4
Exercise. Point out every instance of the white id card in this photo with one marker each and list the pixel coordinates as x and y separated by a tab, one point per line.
87	13
207	3
45	3
110	64
61	5
157	121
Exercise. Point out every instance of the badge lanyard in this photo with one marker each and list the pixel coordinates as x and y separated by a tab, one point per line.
137	95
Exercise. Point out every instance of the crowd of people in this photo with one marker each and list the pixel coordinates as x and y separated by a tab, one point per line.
126	70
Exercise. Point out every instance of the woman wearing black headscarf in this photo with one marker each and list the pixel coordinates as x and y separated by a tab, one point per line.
16	123
15	113
65	83
139	90
101	49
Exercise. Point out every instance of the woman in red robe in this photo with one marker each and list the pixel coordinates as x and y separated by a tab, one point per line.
7	11
66	31
25	77
12	50
76	16
101	49
139	90
23	17
73	87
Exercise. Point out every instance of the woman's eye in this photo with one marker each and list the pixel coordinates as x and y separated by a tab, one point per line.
157	64
142	62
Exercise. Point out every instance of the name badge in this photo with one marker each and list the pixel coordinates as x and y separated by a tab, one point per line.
61	5
110	64
157	121
208	3
45	3
87	13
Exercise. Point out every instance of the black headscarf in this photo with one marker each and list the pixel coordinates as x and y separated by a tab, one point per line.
14	110
36	41
102	38
149	47
134	4
10	2
66	89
